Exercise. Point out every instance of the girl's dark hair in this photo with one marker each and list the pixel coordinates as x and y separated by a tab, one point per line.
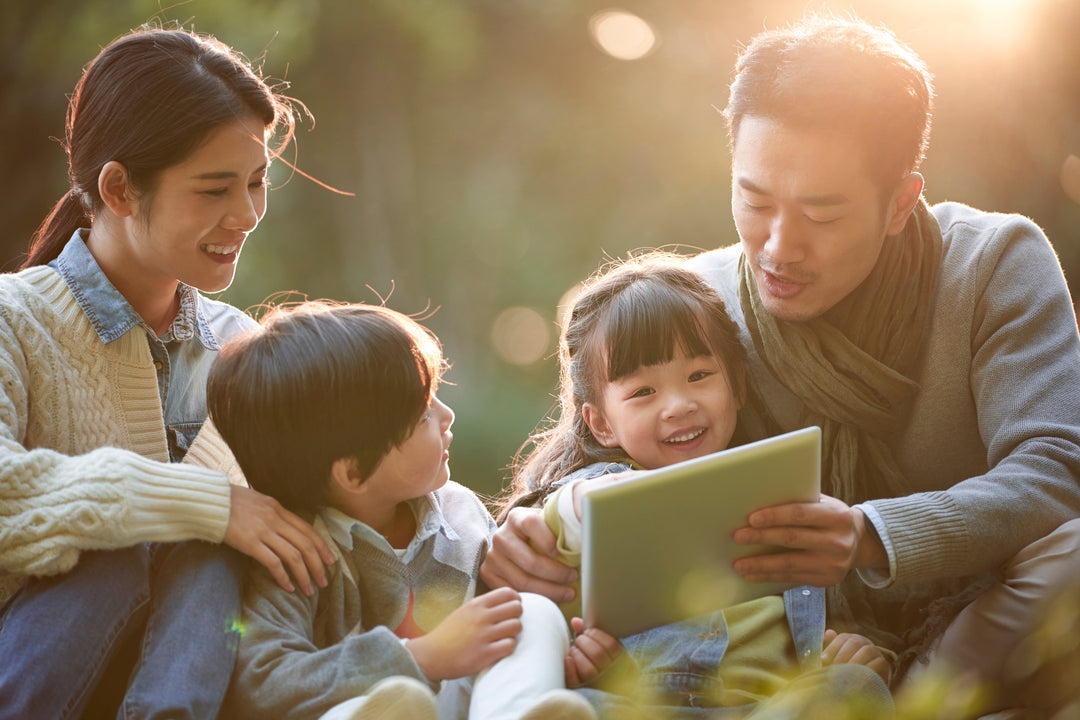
631	314
316	383
147	101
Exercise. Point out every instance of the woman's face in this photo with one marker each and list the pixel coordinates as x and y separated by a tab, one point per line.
193	224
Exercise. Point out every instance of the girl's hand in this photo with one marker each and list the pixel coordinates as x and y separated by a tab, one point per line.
855	649
592	651
473	637
514	560
262	529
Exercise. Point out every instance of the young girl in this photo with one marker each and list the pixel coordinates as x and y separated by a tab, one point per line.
652	374
105	343
332	409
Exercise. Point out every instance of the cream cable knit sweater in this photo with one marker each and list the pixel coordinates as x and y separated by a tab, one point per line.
83	455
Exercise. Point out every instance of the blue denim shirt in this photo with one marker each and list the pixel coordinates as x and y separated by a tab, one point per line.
182	355
680	661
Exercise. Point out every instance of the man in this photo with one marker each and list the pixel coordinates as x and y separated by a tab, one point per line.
936	347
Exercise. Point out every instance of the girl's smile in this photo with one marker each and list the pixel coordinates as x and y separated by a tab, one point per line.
665	413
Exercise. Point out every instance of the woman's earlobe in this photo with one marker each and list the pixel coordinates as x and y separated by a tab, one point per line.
114	186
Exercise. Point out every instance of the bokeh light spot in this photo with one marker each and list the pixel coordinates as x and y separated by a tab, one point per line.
621	34
521	335
1070	178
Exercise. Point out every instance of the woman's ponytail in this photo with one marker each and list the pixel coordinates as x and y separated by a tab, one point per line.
49	239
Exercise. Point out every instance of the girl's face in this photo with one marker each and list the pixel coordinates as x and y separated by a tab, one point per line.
665	413
192	227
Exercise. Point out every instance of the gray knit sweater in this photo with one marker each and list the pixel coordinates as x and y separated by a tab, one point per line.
990	446
299	656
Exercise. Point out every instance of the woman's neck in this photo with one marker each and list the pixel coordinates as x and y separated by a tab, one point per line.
154	298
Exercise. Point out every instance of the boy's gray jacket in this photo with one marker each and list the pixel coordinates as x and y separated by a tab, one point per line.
299	656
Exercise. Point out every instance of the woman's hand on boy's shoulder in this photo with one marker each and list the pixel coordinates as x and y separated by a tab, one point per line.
522	556
855	649
278	539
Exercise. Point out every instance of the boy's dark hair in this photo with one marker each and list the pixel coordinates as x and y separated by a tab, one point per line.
316	383
843	74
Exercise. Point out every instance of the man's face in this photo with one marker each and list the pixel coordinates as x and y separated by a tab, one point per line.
811	219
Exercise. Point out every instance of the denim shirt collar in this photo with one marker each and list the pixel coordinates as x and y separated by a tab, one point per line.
109	312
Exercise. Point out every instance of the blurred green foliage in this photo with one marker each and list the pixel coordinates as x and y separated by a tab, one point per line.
496	155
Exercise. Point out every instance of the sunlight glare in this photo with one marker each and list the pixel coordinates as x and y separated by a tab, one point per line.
520	335
622	35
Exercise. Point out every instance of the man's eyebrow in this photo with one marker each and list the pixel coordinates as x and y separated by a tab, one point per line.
813	200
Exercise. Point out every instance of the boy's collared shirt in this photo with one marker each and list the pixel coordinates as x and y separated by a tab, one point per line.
345	530
182	354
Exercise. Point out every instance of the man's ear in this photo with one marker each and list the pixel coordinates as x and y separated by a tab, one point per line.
598	425
114	186
903	201
345	475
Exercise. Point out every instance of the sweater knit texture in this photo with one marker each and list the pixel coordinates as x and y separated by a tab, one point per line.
83	453
989	446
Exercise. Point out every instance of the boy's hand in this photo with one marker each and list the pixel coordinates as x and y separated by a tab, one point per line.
514	560
592	651
282	541
855	649
476	635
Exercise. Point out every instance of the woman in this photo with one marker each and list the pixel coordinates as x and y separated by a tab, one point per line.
104	348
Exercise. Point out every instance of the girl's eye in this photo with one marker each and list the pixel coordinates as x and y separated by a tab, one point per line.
642	392
824	221
262	182
699	375
216	192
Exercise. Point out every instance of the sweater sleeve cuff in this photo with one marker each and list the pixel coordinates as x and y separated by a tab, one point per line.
927	535
177	501
874	578
211	451
569	553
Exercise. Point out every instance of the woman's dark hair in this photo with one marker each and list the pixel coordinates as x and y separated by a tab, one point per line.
316	383
631	314
147	101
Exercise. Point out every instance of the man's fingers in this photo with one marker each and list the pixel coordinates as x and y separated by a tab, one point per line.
798	567
528	524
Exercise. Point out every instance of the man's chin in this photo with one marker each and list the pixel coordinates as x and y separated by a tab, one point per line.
789	309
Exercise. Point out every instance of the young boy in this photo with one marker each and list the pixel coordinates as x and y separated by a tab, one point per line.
331	410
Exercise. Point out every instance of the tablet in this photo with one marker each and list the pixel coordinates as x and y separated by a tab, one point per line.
657	547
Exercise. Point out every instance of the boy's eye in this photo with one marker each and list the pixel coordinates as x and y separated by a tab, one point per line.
216	192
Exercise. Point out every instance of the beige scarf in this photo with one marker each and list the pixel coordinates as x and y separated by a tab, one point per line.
851	367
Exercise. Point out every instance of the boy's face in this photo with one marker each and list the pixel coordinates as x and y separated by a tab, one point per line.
665	413
811	219
420	464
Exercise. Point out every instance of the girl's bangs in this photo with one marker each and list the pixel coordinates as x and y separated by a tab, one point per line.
646	323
